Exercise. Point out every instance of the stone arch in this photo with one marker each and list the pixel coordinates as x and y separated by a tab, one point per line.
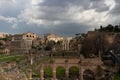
99	72
88	75
60	72
48	73
73	73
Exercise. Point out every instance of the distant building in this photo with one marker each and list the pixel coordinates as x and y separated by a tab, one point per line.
3	35
109	36
53	37
23	42
6	51
38	43
4	46
25	36
92	34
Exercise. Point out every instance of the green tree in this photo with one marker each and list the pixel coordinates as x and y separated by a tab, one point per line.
48	72
50	45
60	72
74	72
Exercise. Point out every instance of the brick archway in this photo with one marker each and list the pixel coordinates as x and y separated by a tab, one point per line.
83	65
88	75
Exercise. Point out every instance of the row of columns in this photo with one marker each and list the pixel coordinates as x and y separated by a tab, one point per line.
66	72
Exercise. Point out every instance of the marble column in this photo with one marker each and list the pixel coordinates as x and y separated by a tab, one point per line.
30	74
81	73
42	72
67	72
54	72
66	69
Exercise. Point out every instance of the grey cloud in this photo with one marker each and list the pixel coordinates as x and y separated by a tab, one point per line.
6	28
51	13
70	13
115	13
116	9
67	29
99	5
57	9
70	29
11	8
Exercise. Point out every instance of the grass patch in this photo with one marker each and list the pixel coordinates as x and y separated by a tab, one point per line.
12	58
2	55
36	74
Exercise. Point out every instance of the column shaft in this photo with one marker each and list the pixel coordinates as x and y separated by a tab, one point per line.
54	72
67	74
42	73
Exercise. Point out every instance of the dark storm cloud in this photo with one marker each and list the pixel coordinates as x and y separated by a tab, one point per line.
41	30
67	29
66	17
99	5
52	10
70	29
116	9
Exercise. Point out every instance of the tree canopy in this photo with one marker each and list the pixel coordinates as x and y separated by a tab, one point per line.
109	28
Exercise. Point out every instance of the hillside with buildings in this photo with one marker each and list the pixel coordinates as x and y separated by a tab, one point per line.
31	53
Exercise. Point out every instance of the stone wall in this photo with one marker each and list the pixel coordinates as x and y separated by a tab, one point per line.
21	45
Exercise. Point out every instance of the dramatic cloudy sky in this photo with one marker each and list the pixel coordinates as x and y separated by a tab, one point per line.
64	17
